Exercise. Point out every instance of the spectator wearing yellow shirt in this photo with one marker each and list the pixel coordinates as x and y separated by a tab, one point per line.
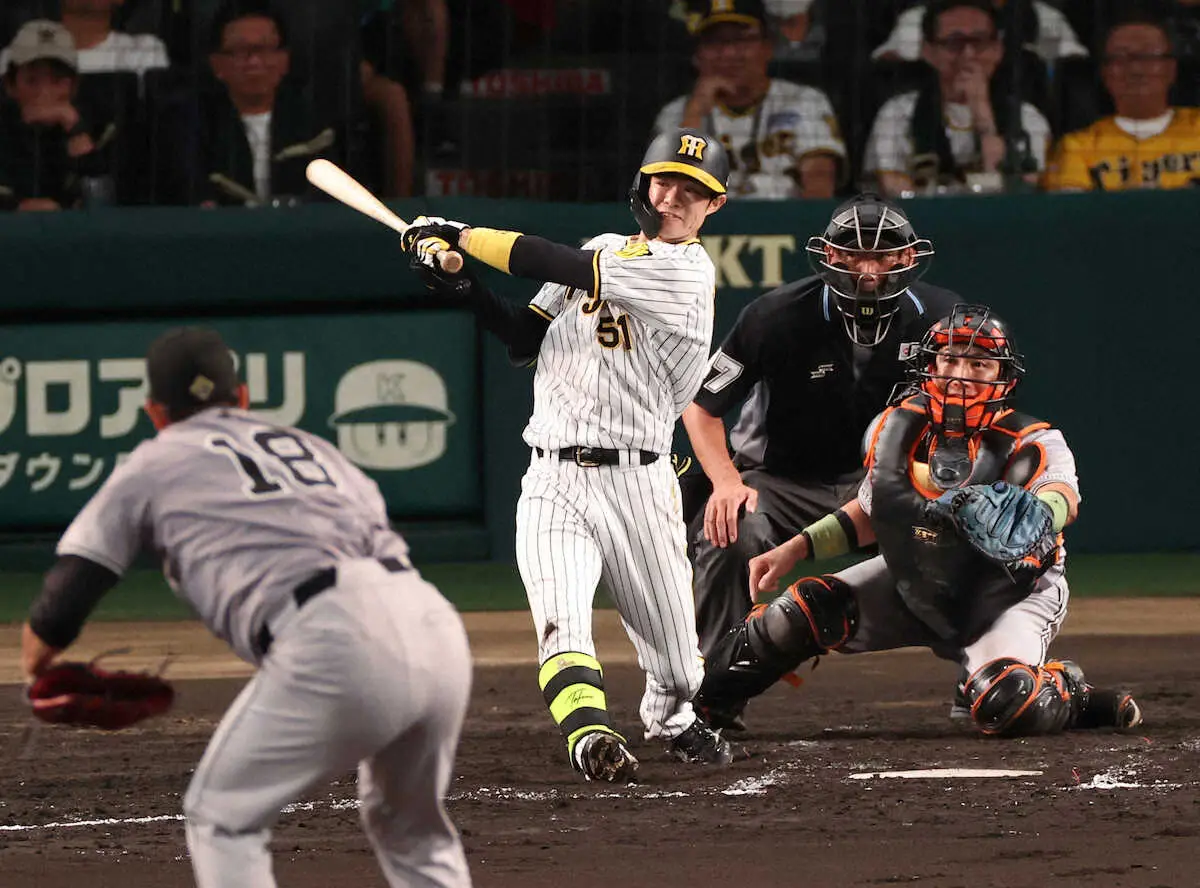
1147	143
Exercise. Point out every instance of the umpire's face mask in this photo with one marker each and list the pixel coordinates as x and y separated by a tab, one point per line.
866	285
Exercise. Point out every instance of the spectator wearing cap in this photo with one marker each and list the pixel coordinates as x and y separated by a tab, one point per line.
952	132
47	149
256	136
782	138
1147	143
1050	33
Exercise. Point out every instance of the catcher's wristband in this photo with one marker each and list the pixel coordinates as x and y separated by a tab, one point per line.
831	536
1059	507
492	246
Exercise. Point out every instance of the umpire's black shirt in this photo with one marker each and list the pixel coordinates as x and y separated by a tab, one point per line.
809	404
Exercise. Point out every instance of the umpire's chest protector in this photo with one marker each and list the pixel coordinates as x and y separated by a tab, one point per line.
943	582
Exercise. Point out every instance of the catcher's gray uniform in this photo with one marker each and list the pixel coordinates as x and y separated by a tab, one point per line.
1022	630
283	549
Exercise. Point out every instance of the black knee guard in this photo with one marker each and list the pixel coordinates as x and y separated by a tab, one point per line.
814	616
1012	698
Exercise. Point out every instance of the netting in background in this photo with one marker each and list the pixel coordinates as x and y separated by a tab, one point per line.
556	99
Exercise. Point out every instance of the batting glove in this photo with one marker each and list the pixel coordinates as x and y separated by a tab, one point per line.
424	227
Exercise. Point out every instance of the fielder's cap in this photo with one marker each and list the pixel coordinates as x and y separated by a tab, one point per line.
190	368
42	39
703	14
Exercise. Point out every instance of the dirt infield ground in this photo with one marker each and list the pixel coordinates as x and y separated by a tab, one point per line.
87	808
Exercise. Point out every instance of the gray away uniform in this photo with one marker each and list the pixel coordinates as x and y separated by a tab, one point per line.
283	549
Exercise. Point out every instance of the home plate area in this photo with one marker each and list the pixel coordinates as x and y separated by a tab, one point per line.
856	778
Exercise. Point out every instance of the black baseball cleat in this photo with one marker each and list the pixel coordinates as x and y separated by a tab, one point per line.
603	756
1111	708
701	744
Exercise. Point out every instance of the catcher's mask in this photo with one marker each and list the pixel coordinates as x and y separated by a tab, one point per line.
868	256
688	152
971	331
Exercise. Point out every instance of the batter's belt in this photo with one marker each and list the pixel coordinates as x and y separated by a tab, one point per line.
319	582
590	457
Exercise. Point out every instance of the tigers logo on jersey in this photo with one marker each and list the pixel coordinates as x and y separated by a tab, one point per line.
633	249
692	146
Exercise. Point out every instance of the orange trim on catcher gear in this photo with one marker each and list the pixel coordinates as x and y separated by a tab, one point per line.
974	337
869	459
932	493
812	623
1038	679
977	415
1056	670
1036	426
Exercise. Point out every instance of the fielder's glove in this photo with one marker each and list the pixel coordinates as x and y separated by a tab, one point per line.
1004	523
81	694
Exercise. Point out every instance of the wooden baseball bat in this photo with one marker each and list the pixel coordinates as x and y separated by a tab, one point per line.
337	183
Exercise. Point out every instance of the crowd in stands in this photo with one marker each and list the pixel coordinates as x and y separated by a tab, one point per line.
224	102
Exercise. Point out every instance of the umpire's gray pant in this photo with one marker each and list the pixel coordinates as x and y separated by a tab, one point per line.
722	576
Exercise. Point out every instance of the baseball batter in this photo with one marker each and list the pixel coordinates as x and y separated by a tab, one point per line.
283	549
621	337
956	480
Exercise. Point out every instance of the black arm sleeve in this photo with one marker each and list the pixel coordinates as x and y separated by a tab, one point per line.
543	260
69	593
516	325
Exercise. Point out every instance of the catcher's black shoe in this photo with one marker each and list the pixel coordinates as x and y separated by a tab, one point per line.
1108	708
603	756
701	744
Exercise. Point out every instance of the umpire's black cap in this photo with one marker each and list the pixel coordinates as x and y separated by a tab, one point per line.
190	368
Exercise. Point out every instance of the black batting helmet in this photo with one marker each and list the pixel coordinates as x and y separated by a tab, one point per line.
973	331
688	152
871	227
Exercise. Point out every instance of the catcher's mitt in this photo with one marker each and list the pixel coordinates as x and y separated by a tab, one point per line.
1004	523
81	694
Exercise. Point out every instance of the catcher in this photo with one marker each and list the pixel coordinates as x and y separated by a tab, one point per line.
967	500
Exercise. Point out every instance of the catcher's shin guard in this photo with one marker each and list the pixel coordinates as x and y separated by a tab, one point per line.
573	687
1011	698
815	615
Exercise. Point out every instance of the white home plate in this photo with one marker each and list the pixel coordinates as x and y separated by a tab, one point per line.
944	774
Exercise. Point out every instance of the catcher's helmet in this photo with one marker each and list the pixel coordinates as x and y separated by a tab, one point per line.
875	230
974	331
688	152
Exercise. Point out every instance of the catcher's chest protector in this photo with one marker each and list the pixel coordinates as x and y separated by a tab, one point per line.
939	577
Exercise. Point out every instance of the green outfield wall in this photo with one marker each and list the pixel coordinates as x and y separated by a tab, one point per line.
334	333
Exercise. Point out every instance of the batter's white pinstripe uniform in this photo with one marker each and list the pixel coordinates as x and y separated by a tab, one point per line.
615	370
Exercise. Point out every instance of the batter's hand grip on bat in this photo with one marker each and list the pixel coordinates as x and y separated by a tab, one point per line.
339	184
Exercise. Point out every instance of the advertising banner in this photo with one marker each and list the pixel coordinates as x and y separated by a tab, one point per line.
397	393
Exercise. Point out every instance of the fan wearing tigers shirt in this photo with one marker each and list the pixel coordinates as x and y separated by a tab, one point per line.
1147	143
621	335
782	138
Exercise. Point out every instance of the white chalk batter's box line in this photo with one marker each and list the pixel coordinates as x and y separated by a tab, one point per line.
1124	777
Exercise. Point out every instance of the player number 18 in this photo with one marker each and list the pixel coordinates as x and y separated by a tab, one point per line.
285	447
